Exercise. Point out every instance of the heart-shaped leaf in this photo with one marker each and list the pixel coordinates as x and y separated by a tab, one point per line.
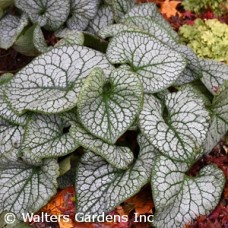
101	187
103	18
156	64
52	82
219	124
108	107
82	11
25	189
214	74
179	129
119	157
151	10
179	198
46	137
10	28
49	13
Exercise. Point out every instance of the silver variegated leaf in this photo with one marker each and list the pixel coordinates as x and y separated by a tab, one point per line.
11	136
50	14
39	41
179	129
82	11
6	111
156	64
219	124
24	188
193	68
214	74
113	30
150	10
10	28
51	83
121	7
45	138
103	18
101	187
69	37
151	27
108	107
180	198
119	157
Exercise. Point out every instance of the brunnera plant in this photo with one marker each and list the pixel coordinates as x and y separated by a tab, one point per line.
62	116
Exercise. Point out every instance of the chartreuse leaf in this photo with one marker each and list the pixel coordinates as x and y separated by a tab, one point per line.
150	10
101	187
156	64
45	137
179	129
81	12
69	37
10	28
10	140
50	14
119	157
103	18
51	83
214	74
24	188
219	124
121	7
107	107
180	198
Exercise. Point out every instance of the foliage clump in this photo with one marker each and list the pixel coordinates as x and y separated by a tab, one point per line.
65	116
218	7
207	38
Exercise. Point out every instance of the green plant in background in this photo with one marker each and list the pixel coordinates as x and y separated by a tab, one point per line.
141	79
218	7
207	38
